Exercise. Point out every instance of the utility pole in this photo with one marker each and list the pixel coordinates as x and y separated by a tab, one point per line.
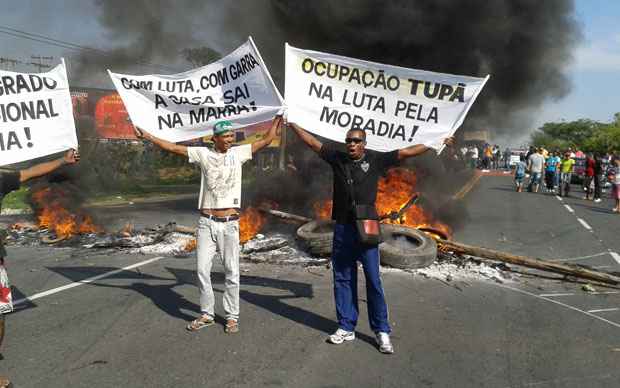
40	65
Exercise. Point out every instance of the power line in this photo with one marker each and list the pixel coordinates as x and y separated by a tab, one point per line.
71	46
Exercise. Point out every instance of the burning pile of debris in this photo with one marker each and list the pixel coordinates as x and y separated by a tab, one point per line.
414	240
59	223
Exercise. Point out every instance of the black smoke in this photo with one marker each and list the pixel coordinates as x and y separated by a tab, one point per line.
146	36
526	45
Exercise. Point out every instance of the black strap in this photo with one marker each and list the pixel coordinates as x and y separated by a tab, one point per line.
349	180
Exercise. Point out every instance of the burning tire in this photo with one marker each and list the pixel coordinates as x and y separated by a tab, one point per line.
317	236
406	248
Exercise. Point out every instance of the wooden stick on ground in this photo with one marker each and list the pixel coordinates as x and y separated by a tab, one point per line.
284	215
545	265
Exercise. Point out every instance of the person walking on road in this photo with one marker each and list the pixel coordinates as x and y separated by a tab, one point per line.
535	165
497	156
520	168
10	181
218	204
487	156
506	156
598	174
614	178
356	175
551	166
588	181
473	151
566	173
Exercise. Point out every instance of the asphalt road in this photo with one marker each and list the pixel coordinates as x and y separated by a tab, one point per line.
127	329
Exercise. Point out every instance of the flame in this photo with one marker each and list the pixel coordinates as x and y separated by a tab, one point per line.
53	215
323	209
250	223
394	192
190	245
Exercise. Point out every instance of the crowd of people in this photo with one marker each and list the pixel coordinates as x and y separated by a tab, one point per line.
539	169
486	156
552	172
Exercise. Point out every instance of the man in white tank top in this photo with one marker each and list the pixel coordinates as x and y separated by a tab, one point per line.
218	204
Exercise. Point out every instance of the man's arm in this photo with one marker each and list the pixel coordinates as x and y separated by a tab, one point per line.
70	157
163	144
307	138
268	138
419	149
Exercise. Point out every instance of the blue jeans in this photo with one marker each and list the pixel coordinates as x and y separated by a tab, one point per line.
346	251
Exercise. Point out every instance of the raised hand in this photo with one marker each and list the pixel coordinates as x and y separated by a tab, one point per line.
449	141
71	157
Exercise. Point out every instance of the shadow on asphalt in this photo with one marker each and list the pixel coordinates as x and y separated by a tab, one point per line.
17	295
504	189
594	208
175	304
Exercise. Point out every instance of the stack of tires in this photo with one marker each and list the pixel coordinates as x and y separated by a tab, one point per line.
402	247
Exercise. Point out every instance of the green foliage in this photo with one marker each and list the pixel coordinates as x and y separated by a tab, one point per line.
607	139
16	199
584	134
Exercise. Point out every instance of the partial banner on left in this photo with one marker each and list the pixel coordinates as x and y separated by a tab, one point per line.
237	88
36	115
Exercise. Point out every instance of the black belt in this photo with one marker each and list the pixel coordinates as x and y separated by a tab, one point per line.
233	217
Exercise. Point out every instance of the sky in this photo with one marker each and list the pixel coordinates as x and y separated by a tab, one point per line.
594	73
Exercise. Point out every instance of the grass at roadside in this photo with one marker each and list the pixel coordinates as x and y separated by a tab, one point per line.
16	199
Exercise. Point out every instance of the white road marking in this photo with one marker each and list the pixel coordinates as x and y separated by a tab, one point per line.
603	310
582	257
585	293
584	224
570	209
85	281
558	197
558	294
615	324
616	256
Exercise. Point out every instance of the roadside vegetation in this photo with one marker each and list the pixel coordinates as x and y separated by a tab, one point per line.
584	134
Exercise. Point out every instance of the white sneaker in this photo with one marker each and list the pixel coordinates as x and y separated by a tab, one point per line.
597	200
340	336
385	345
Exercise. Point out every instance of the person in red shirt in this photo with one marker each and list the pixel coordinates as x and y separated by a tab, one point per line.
587	182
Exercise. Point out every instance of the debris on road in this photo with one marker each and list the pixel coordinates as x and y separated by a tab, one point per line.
451	268
588	288
530	262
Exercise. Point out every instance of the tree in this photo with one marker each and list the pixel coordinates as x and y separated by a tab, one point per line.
607	139
585	134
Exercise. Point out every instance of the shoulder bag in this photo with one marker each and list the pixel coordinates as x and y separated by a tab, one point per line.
366	218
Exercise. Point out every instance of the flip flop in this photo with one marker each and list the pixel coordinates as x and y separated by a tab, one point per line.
200	323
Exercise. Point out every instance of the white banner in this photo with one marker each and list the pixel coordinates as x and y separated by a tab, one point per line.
397	107
237	88
36	115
